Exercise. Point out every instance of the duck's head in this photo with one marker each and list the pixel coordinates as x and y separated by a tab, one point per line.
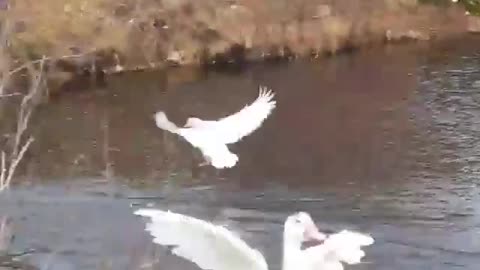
300	228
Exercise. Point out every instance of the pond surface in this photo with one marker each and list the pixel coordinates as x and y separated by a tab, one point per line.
384	141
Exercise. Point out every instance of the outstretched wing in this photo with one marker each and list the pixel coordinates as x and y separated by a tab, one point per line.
344	246
209	246
236	126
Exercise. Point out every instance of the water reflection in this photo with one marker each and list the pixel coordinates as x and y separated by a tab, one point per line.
6	234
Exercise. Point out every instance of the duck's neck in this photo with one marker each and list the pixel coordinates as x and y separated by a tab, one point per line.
291	253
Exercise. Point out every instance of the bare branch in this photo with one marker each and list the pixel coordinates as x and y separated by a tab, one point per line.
11	157
15	162
9	95
4	170
24	114
26	107
43	59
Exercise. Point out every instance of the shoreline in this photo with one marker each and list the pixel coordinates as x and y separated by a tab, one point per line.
128	35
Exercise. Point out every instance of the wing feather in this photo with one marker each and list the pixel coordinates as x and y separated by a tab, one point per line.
344	246
234	127
209	246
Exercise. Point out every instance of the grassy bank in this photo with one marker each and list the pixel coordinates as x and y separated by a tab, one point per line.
147	33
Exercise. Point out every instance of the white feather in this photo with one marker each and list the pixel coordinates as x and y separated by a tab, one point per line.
219	155
214	247
344	246
207	245
212	137
236	126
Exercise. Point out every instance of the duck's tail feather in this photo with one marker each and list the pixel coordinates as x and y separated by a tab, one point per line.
219	156
227	161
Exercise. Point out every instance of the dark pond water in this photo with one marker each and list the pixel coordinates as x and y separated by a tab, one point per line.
383	141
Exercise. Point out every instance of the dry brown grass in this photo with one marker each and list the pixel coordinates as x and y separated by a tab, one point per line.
148	32
54	26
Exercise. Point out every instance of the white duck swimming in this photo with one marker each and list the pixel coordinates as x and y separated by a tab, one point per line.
214	247
212	137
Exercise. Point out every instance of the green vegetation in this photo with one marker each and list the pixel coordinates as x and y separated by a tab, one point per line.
472	6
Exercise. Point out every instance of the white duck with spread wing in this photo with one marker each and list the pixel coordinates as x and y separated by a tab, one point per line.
213	247
212	137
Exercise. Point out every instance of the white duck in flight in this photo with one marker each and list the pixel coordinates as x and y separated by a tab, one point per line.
213	247
212	137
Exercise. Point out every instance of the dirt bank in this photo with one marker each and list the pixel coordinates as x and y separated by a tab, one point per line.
132	34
